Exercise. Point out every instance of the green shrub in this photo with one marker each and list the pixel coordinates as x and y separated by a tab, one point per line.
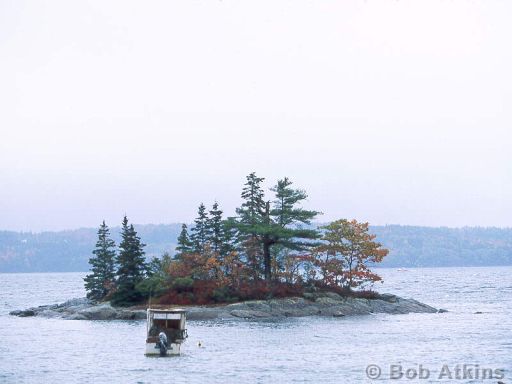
223	295
183	284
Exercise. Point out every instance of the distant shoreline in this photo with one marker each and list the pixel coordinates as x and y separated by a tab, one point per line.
410	247
374	267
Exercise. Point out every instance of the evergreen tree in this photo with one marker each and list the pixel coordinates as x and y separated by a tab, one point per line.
229	237
158	279
252	209
102	277
291	219
285	208
248	224
199	235
185	245
285	223
154	266
131	266
282	225
215	228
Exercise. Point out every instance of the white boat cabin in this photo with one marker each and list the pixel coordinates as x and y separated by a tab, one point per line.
166	331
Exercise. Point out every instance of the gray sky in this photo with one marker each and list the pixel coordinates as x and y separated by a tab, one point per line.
392	112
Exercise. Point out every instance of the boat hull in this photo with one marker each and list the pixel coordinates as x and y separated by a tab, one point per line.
153	350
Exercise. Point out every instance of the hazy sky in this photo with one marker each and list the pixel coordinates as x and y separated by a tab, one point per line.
392	112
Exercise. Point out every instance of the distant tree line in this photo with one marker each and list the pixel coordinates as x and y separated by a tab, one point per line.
410	246
269	249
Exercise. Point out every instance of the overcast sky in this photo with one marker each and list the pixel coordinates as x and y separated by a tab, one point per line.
392	112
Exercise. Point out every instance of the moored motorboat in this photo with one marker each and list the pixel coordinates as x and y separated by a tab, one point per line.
166	331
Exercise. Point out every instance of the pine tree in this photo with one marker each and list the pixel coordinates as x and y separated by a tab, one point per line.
185	245
215	228
262	227
199	235
285	208
131	266
102	277
285	223
291	219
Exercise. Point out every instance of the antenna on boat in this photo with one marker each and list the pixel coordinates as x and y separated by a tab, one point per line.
149	305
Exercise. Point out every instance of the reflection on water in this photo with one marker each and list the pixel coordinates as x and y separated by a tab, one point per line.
328	350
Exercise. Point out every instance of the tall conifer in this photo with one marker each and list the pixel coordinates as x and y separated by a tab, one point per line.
262	226
215	228
199	234
101	279
185	245
131	266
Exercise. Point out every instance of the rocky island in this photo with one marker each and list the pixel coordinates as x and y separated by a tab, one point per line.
328	304
268	262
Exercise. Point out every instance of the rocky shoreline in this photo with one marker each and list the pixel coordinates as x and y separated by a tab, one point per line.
325	304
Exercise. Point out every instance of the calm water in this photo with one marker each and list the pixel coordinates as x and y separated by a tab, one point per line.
293	350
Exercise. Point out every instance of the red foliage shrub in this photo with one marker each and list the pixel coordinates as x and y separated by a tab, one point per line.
209	292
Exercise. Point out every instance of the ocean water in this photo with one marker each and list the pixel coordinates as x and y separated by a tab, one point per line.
476	332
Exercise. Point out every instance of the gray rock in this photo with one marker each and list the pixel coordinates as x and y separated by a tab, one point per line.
201	314
248	314
334	296
49	314
314	304
311	296
23	313
140	315
235	306
80	302
100	312
327	301
258	305
76	316
388	297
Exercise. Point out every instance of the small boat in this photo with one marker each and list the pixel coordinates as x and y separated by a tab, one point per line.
166	331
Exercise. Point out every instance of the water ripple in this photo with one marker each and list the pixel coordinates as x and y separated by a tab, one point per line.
306	350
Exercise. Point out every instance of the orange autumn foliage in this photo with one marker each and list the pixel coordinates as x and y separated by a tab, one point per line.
345	257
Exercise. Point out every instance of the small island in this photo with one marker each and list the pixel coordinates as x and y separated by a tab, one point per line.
268	261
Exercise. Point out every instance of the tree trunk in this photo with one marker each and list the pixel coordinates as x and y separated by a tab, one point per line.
267	260
266	246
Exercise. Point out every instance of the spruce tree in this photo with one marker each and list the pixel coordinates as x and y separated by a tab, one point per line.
199	235
102	277
229	237
248	224
185	245
131	266
215	228
252	210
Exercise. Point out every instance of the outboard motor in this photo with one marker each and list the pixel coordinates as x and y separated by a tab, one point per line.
162	343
